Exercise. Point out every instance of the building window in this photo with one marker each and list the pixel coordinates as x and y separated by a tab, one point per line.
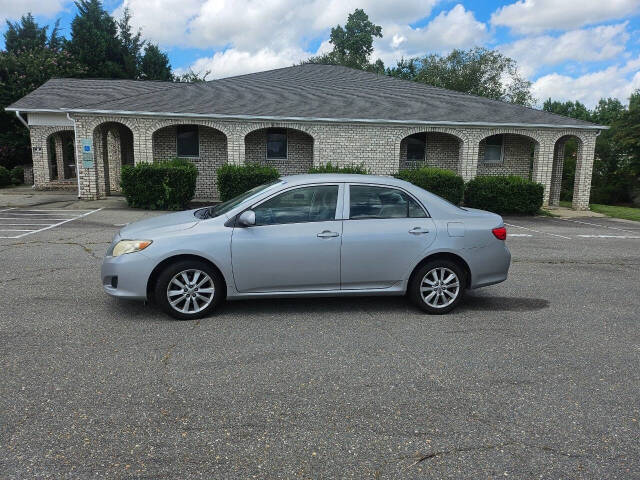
416	147
277	143
187	141
493	149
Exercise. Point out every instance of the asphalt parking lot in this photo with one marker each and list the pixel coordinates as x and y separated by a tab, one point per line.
535	378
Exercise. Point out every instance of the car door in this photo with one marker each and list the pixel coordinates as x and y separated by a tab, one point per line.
385	233
295	243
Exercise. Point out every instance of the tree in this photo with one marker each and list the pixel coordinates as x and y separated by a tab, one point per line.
353	44
626	131
193	77
95	43
478	71
155	64
30	59
130	44
613	174
568	109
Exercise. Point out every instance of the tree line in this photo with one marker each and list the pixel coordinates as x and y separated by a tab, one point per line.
103	47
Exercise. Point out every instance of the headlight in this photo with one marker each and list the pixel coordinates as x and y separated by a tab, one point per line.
130	246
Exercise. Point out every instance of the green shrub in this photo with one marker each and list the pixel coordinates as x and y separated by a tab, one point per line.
236	179
166	185
509	194
17	175
444	183
5	177
330	168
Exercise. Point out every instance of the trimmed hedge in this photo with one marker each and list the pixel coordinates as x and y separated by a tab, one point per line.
17	175
444	183
330	168
236	179
5	177
168	185
504	194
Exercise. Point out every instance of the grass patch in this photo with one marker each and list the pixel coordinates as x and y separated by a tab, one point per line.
615	211
546	213
627	213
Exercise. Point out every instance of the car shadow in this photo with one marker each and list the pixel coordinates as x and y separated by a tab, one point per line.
336	305
473	302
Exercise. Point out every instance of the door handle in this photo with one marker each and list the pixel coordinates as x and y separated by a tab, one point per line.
328	234
418	231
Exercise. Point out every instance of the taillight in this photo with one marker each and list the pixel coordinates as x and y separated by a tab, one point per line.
500	233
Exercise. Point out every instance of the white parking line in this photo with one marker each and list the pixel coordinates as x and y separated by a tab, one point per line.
59	221
6	209
537	231
519	235
594	225
608	236
43	214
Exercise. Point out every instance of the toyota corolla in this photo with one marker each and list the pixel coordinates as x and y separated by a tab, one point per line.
310	235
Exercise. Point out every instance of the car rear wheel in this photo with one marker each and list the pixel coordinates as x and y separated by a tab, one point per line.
189	289
438	286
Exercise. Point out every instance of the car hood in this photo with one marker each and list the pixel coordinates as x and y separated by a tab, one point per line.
161	224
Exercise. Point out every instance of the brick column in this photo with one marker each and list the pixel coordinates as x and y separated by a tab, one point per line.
114	160
584	169
468	163
40	155
556	174
57	140
542	167
87	176
235	149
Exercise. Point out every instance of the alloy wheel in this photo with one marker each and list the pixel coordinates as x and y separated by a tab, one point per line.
190	291
439	287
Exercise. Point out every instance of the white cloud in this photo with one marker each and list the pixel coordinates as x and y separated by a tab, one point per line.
456	28
13	10
237	62
615	81
250	25
530	16
586	45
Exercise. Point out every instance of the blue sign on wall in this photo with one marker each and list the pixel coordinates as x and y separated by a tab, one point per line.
87	153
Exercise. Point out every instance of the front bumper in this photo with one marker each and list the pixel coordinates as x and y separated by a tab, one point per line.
132	271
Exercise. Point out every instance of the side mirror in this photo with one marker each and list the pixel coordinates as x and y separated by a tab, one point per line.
247	218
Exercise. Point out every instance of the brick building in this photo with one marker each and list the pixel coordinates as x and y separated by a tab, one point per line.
83	131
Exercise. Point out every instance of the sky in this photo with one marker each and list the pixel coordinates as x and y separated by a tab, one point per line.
569	49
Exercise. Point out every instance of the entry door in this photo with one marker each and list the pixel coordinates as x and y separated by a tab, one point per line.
386	234
295	244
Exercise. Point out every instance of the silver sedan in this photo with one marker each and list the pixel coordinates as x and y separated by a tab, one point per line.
310	235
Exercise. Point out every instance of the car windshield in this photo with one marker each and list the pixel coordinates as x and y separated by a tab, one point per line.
224	207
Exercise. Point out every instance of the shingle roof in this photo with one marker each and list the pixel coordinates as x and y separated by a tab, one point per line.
302	92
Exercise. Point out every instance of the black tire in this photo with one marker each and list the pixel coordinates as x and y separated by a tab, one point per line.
216	283
447	267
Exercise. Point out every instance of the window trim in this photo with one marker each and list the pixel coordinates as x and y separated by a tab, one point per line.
286	144
347	201
198	133
339	203
484	155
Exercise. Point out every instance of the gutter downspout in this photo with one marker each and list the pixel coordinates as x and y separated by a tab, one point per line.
22	120
75	150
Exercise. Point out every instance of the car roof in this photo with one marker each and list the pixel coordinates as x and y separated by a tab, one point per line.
343	178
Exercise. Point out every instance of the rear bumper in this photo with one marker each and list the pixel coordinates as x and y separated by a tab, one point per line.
132	271
490	264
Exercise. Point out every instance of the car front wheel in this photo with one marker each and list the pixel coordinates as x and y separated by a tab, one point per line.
438	286
189	289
